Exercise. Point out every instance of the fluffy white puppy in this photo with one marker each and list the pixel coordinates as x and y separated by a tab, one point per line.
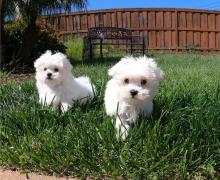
56	84
131	90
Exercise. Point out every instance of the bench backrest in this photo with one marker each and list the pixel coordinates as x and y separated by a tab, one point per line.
109	33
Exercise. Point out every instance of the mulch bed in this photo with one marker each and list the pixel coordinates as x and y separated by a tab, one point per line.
15	77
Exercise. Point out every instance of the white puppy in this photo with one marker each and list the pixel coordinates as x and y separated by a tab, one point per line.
56	84
131	90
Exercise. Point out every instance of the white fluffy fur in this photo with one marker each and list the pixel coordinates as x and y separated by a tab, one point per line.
62	89
118	99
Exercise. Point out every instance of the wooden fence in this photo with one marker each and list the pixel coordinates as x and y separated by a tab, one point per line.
164	29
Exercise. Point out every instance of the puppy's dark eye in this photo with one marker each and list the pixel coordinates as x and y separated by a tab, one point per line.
126	81
143	82
56	69
45	69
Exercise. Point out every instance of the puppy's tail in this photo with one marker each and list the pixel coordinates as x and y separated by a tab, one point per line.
84	79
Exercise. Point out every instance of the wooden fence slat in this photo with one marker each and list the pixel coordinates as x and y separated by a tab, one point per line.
211	24
83	22
92	20
189	24
145	21
124	22
145	32
97	23
134	19
68	23
141	20
176	29
218	33
168	33
160	24
109	20
128	15
204	35
197	24
152	34
62	24
182	24
119	16
151	19
114	21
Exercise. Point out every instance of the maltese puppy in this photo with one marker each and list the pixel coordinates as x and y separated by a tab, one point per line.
131	90
56	84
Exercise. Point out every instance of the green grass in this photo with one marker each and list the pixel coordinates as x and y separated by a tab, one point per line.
179	141
4	74
74	49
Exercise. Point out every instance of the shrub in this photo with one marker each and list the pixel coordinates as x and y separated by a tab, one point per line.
75	48
192	48
13	37
20	55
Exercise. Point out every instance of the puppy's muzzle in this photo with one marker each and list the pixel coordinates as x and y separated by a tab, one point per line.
133	93
49	75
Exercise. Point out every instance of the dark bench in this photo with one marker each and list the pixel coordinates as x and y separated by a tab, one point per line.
114	36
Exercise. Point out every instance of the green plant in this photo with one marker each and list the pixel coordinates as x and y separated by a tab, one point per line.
192	47
18	60
75	48
13	34
29	11
4	74
113	50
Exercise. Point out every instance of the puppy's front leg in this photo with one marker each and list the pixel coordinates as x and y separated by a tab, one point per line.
65	106
127	115
122	128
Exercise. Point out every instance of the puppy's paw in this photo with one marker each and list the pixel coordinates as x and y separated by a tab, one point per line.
122	129
122	132
65	107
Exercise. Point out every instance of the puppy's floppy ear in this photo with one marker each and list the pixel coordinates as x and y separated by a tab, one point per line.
67	65
42	58
158	72
124	61
63	61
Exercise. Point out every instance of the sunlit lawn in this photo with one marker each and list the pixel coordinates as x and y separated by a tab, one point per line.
180	140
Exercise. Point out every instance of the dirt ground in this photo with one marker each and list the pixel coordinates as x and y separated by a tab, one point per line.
15	175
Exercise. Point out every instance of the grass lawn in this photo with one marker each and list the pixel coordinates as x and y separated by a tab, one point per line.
179	141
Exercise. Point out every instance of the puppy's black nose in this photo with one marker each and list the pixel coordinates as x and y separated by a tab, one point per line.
133	92
49	74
